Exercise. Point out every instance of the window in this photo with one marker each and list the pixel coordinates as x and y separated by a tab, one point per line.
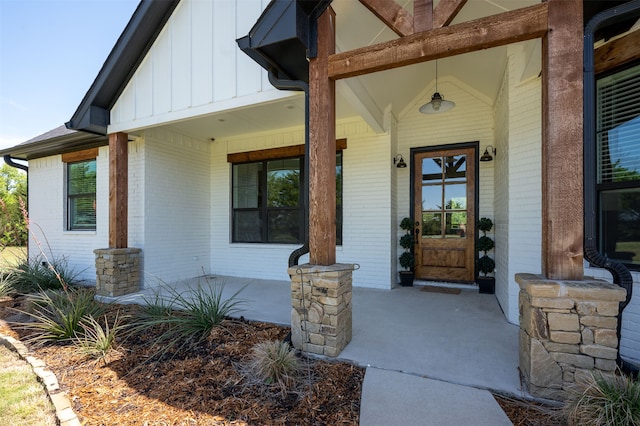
268	201
81	195
618	180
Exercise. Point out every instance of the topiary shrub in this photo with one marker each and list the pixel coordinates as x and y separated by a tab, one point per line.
486	264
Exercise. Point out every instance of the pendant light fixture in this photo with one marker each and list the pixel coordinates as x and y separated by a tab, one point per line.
437	104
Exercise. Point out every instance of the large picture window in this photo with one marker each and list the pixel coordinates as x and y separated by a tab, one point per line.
81	195
618	180
268	201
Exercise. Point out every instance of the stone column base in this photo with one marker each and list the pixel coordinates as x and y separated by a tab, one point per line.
567	330
321	315
117	271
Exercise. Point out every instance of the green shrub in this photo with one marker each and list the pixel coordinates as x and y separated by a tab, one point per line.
275	365
186	318
605	400
39	274
59	314
96	341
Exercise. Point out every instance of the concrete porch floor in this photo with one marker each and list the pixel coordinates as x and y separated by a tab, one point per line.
461	339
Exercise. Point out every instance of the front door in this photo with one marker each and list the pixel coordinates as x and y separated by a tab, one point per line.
444	212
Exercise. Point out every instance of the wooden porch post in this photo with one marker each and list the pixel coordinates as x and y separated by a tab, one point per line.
322	148
562	142
118	189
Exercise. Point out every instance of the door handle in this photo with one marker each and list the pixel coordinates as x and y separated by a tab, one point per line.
417	231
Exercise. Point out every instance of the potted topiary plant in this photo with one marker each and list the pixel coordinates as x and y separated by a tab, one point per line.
486	265
407	259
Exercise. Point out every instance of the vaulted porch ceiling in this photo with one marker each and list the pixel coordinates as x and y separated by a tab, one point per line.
357	27
369	95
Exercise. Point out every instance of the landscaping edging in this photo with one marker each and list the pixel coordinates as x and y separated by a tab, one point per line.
64	413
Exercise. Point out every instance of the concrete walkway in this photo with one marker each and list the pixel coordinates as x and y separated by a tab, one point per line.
391	398
431	357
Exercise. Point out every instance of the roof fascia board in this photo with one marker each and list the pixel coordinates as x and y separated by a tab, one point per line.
57	145
149	18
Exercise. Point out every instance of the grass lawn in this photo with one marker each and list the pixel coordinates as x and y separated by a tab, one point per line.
22	397
630	246
11	256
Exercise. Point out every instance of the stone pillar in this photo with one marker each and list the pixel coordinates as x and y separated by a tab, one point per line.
567	329
321	314
117	271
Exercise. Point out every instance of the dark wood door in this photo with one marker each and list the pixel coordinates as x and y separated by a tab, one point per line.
444	212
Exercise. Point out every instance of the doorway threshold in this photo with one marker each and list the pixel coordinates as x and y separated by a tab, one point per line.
447	284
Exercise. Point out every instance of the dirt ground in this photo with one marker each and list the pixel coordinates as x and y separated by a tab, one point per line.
203	385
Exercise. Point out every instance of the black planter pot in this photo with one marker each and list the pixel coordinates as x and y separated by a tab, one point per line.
406	278
487	285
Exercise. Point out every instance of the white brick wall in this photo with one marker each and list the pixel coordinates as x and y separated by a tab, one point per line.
518	222
47	211
501	188
630	339
176	207
471	120
366	210
367	236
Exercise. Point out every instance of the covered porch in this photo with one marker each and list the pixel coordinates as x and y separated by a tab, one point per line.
457	338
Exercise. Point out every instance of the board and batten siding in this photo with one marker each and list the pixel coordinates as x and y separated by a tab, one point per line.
47	212
176	207
366	209
195	68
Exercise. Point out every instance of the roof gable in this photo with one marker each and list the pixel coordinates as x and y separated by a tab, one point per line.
146	23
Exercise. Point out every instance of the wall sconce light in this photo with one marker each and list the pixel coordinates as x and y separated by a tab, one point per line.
399	161
487	153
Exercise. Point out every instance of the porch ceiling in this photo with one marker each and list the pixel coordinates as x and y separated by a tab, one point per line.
399	88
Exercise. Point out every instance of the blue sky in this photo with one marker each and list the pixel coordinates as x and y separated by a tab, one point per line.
50	53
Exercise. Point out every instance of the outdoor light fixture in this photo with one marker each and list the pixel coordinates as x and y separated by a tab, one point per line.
399	161
487	153
437	104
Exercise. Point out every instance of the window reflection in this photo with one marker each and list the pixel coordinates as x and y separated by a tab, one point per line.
444	194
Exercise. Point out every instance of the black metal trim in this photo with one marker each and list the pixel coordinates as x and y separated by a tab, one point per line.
92	115
10	162
620	273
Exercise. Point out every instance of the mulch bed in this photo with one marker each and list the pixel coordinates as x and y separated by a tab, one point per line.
203	385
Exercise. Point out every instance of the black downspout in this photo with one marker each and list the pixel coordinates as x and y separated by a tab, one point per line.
299	85
620	273
9	161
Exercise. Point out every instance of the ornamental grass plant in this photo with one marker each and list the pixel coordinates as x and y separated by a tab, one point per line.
612	400
7	284
98	340
58	315
37	274
186	318
274	366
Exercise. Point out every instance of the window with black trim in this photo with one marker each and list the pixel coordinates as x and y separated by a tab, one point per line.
268	201
618	180
81	195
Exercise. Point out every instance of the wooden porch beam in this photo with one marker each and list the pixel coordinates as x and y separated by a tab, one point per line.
422	15
497	30
617	52
562	133
446	11
392	14
322	148
118	190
